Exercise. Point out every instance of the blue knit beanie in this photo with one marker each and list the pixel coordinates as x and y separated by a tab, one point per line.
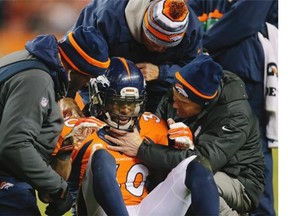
199	80
85	50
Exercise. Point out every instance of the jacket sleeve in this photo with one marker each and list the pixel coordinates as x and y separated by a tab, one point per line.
160	157
27	104
167	71
244	19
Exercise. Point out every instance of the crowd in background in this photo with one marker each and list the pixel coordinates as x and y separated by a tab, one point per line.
23	20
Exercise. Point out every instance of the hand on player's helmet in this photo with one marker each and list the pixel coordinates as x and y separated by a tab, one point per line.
181	134
61	202
149	71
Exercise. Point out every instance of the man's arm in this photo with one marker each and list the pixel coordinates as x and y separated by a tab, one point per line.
243	20
162	157
153	155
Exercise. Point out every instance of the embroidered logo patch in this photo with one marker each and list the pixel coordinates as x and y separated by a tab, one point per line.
181	90
44	101
5	185
175	38
225	128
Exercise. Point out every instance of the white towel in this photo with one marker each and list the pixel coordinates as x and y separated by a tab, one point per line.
270	47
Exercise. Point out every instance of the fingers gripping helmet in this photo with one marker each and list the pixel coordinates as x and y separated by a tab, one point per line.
120	93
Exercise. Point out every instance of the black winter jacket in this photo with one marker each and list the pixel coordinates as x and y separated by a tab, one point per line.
225	132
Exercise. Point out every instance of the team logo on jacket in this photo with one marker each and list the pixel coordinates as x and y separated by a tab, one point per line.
44	101
5	185
175	38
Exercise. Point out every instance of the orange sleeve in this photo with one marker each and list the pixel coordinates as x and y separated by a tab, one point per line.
79	101
153	128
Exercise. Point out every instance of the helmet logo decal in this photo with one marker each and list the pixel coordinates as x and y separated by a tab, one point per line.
103	80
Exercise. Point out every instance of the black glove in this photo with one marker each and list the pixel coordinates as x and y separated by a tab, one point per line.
45	198
61	203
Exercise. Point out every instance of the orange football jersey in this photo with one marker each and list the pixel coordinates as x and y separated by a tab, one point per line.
131	173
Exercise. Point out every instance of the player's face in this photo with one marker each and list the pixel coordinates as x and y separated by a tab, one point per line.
185	107
121	111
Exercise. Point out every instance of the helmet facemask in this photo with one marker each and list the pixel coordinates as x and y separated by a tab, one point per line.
122	111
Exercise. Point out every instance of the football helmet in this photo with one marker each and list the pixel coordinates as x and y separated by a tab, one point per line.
118	97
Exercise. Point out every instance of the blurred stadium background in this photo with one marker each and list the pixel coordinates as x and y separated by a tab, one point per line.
22	20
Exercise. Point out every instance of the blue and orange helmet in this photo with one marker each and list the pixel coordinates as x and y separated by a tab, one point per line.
120	93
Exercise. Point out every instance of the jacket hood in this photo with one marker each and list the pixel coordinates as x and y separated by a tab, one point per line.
134	13
45	48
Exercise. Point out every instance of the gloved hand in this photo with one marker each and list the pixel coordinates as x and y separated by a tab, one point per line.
45	198
181	134
73	135
83	128
60	204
